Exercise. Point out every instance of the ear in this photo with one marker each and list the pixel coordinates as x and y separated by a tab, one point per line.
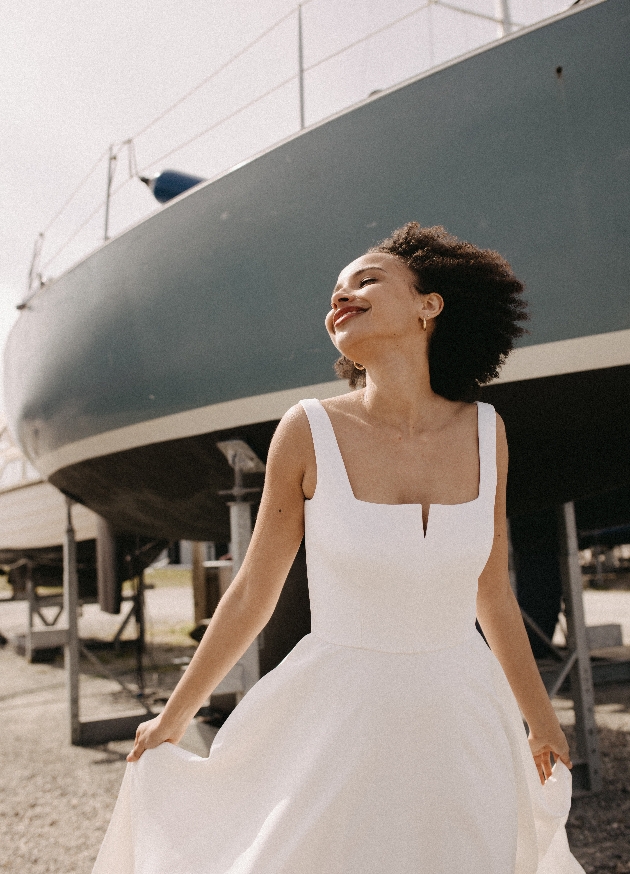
432	305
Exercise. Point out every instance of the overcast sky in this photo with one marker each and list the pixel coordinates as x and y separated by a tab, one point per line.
77	77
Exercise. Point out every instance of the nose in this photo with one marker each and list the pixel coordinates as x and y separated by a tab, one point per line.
340	296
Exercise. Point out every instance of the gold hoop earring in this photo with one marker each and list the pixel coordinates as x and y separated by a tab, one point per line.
424	324
358	366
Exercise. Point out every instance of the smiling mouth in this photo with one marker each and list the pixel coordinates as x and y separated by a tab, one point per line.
346	314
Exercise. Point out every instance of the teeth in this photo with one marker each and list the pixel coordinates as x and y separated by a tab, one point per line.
350	313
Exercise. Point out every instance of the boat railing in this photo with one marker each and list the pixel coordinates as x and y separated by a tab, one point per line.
314	78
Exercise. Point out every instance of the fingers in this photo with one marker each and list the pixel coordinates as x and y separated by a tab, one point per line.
543	765
148	735
546	764
542	759
541	775
136	752
151	734
139	746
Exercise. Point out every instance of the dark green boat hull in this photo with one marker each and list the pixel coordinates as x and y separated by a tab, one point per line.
522	147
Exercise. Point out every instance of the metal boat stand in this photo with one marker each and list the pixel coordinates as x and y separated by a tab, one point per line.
243	460
587	769
84	732
575	661
44	612
49	635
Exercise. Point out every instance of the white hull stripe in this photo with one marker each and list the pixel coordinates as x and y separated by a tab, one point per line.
580	354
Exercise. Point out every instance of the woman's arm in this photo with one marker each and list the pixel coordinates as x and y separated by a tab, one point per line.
247	605
500	618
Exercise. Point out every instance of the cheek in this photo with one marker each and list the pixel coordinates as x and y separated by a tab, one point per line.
332	335
402	319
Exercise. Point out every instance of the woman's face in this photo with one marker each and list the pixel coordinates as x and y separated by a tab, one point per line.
375	301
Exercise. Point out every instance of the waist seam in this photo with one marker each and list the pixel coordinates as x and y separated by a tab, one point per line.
459	643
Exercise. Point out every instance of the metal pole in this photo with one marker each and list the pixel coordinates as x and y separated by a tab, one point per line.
301	66
240	531
140	626
71	603
587	772
241	534
31	595
110	178
506	18
242	459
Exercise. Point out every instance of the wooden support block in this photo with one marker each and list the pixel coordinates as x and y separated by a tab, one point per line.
37	639
599	636
46	638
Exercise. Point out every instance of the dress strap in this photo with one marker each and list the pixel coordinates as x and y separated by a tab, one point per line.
487	425
331	471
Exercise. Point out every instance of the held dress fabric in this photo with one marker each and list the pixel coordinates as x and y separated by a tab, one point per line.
387	742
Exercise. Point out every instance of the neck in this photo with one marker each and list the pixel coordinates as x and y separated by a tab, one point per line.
398	392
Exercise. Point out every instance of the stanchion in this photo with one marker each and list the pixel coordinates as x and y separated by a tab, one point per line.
71	604
243	460
587	772
88	731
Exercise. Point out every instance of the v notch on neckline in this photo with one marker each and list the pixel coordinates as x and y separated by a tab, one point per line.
415	507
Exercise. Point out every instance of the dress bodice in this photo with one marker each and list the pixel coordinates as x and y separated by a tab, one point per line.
376	581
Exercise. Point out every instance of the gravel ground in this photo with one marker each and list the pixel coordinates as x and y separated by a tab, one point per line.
56	800
599	824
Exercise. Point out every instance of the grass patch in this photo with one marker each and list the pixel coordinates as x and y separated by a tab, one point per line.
161	578
166	577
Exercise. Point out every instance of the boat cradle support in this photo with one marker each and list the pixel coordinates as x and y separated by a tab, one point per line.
84	732
574	661
587	769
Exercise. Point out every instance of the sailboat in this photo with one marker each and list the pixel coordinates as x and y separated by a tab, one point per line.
204	322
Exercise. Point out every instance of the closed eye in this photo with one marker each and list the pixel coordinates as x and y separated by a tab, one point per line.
367	279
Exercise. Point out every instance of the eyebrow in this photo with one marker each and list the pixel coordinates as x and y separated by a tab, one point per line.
359	272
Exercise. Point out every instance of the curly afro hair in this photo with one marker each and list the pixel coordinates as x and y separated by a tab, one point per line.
483	306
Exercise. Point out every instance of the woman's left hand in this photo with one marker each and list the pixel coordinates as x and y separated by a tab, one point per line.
543	744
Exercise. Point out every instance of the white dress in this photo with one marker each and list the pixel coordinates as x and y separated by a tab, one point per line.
387	742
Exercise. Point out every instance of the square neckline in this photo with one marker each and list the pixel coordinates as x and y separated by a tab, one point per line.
412	505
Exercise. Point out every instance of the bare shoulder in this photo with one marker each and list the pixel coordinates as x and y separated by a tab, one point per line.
292	440
291	459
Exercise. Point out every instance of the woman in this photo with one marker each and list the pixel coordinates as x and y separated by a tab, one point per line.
389	740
